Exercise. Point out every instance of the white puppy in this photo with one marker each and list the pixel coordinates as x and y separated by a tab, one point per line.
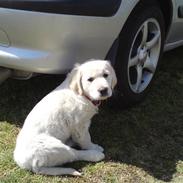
62	118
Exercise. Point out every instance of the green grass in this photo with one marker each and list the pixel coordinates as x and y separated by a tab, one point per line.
142	144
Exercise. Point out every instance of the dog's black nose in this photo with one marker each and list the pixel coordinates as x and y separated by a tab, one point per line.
103	92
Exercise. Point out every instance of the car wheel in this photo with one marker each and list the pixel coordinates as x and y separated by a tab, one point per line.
140	48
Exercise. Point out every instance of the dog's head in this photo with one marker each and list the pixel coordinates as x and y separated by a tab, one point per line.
94	79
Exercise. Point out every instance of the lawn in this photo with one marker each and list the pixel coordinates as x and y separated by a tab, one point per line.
142	144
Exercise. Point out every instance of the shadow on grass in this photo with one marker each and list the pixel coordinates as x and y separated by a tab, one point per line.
17	98
149	136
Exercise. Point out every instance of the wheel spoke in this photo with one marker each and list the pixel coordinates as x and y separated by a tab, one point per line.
154	41
144	55
139	78
144	33
149	65
133	61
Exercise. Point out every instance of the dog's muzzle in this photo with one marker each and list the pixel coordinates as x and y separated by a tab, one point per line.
104	92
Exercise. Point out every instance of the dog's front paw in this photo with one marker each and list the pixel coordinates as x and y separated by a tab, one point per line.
96	156
97	147
92	146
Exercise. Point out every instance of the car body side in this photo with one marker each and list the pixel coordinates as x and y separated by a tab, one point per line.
52	43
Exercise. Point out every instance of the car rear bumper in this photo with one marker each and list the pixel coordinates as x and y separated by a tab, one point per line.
53	43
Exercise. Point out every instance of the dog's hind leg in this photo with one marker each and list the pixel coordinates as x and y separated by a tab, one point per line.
58	171
51	152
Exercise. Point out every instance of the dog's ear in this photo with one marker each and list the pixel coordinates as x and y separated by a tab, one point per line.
75	80
114	78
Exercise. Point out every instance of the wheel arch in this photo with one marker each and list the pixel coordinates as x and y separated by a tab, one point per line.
167	10
165	6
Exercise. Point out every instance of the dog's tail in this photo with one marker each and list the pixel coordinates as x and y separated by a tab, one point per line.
57	171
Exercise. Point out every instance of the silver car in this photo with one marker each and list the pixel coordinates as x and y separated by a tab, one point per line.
50	36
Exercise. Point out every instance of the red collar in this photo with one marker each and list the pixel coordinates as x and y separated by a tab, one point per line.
94	102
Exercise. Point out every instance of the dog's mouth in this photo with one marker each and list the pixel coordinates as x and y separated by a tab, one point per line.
98	96
94	102
97	102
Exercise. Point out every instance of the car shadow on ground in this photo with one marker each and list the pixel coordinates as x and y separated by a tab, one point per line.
149	136
17	98
151	144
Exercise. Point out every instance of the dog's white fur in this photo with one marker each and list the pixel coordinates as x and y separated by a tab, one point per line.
62	118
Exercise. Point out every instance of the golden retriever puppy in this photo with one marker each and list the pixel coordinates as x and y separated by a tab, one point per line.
63	118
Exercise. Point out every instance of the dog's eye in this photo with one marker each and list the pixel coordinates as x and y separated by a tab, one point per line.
105	75
90	79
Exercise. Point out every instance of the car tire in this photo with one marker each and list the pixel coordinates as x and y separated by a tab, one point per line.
141	43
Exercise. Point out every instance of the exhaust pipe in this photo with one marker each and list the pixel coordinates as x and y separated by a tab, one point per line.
4	74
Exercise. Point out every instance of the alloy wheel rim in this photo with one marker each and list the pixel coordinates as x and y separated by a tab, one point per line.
144	55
